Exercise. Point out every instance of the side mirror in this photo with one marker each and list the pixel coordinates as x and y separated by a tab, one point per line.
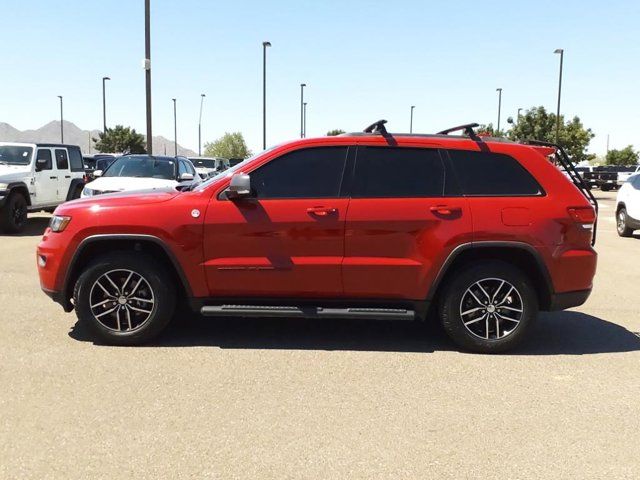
186	177
41	164
239	187
97	173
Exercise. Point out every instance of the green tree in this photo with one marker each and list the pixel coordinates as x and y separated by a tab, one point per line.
626	156
120	139
230	145
489	130
538	124
334	132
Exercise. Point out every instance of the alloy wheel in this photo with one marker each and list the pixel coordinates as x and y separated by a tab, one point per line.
622	221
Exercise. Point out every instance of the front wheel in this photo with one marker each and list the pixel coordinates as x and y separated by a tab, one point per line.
13	217
621	223
125	298
488	307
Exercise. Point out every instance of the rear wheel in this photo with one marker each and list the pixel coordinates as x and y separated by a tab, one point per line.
125	298
14	214
488	307
621	224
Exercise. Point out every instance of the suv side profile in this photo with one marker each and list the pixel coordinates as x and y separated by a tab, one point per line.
482	233
36	176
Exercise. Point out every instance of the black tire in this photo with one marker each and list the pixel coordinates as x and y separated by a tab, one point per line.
112	328
457	304
605	188
13	217
621	223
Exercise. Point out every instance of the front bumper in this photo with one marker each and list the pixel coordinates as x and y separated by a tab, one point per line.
58	297
562	301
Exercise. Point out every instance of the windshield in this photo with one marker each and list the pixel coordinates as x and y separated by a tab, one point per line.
142	166
15	155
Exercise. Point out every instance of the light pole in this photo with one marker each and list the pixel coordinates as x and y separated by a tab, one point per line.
175	129
202	95
561	52
518	117
304	119
499	90
61	121
411	120
264	94
302	85
104	105
147	68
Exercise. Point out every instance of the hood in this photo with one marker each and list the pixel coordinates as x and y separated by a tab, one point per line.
124	199
122	184
13	173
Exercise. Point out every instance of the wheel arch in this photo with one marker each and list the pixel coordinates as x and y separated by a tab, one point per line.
522	255
75	183
20	187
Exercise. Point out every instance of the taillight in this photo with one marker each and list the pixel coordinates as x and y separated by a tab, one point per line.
584	215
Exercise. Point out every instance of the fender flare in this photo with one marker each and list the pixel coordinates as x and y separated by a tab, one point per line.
72	188
22	186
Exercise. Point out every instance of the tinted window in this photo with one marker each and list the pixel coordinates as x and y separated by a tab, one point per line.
45	155
398	172
309	173
635	182
486	173
75	158
182	167
62	162
143	166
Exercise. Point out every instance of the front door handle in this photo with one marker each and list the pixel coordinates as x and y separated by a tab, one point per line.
445	210
321	211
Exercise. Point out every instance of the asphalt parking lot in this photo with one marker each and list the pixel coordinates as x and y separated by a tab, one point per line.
332	399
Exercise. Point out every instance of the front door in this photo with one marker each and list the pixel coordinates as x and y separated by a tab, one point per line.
404	219
45	179
288	239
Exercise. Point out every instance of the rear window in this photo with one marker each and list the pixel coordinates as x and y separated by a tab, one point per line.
492	174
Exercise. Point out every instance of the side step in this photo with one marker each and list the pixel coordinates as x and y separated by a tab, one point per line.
307	312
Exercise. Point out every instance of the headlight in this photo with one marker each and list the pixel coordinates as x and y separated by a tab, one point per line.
4	186
87	192
58	223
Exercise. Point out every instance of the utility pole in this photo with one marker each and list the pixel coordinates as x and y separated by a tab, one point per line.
147	68
302	85
104	105
411	120
499	90
61	121
202	95
561	52
304	118
264	94
175	129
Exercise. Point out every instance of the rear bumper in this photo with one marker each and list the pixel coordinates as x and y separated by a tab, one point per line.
562	301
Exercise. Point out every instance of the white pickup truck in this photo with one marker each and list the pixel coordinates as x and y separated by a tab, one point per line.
36	176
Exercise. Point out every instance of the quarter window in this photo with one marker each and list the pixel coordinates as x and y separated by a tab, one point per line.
75	159
492	174
383	172
308	173
62	161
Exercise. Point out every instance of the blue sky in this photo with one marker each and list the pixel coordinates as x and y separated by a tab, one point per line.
361	60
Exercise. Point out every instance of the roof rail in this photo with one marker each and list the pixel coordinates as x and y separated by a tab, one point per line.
377	127
468	129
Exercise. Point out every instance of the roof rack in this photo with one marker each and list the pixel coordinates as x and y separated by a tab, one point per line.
377	127
468	129
570	168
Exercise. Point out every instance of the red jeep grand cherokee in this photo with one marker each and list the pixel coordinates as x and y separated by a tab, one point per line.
374	225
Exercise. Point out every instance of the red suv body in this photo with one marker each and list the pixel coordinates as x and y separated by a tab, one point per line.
365	225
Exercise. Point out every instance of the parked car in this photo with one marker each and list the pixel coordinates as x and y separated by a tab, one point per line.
99	161
234	161
368	225
208	167
36	176
628	207
624	175
140	172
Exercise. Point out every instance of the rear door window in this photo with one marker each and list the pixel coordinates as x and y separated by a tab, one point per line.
391	172
492	174
62	160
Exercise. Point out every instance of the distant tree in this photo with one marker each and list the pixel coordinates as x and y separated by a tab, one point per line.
120	139
334	132
538	124
230	145
626	156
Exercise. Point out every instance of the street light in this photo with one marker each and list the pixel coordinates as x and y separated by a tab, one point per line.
147	68
202	95
104	105
61	121
519	110
302	85
304	118
499	90
264	94
411	121
175	129
561	52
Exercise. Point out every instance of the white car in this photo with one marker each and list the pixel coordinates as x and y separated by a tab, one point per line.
208	167
36	176
628	207
142	172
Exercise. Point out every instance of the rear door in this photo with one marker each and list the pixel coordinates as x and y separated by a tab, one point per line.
404	219
64	174
46	179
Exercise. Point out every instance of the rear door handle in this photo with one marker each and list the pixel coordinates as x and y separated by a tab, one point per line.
445	210
67	176
53	178
321	211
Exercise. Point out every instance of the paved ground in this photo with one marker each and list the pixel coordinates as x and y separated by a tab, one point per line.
320	400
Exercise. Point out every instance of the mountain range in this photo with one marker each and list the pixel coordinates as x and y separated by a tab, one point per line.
74	135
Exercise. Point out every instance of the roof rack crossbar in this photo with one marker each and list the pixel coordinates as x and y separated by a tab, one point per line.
570	168
377	127
467	128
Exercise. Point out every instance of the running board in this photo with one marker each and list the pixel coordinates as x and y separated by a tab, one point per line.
307	312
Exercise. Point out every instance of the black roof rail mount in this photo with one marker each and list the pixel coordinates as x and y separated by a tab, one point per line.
570	168
467	128
377	127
